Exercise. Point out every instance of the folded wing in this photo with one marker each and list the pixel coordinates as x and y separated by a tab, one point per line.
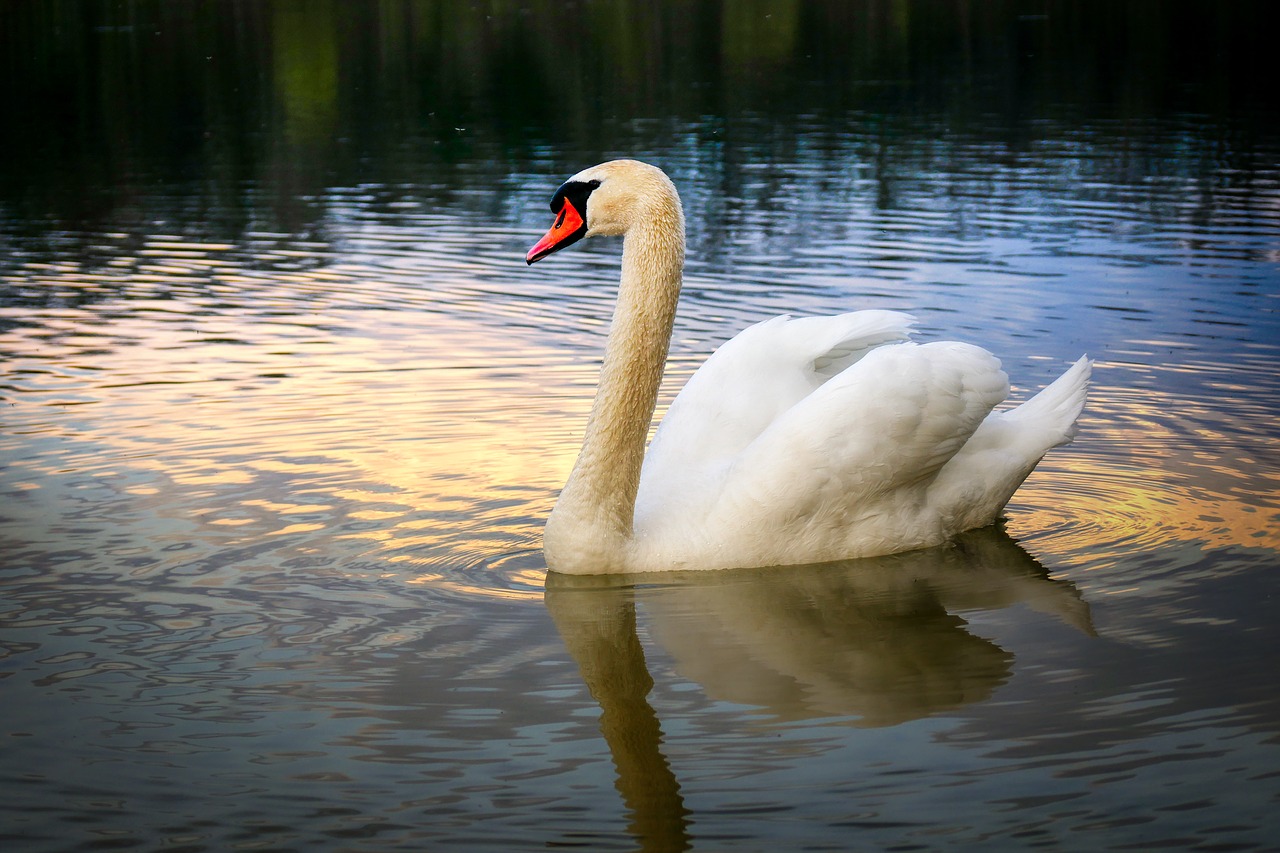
743	388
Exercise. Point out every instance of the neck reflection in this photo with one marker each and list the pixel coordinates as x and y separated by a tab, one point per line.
599	628
876	641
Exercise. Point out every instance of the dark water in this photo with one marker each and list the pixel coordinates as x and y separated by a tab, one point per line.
282	410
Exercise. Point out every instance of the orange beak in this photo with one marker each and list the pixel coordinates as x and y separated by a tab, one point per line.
568	228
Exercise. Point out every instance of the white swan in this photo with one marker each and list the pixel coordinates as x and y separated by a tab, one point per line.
798	441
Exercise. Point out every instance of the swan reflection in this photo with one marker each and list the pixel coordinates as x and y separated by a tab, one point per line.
875	641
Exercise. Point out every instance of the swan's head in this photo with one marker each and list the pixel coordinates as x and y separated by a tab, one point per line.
607	200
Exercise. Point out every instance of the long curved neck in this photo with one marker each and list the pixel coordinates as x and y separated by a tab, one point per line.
592	521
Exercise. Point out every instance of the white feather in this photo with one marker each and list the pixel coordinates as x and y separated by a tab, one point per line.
798	441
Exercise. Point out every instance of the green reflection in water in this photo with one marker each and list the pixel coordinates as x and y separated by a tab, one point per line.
289	98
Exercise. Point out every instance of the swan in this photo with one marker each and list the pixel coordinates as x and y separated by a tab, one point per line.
800	440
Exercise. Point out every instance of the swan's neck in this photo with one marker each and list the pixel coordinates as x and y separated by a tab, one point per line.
591	527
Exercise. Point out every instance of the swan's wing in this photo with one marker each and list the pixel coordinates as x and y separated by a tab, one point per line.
747	383
847	470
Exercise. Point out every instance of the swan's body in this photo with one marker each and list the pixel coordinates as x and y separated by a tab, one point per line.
798	441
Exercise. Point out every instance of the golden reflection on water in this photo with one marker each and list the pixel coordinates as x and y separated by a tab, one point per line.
420	435
1141	478
428	416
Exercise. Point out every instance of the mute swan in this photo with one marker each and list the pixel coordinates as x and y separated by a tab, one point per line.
798	441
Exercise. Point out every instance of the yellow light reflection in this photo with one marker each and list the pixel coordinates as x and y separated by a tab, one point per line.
1138	478
436	442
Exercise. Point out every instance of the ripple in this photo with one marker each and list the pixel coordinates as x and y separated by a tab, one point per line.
271	507
1139	481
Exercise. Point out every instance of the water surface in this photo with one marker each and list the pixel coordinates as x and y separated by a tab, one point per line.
283	410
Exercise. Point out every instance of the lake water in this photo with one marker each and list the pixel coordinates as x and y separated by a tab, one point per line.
282	411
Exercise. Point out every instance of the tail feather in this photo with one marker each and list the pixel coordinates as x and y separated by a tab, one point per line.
1058	405
974	486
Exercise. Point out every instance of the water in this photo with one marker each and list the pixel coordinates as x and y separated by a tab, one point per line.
283	411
